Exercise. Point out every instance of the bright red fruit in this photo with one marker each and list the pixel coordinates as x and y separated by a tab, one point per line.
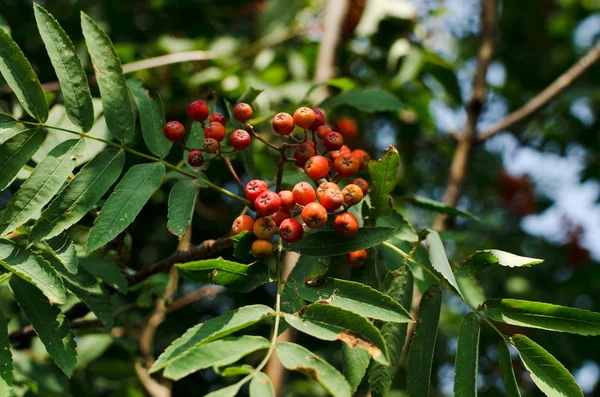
242	112
283	123
319	119
214	130
345	224
218	117
363	158
332	199
254	188
347	127
346	165
337	153
356	258
304	193
314	215
303	152
174	131
291	230
267	203
324	186
195	158
281	215
198	110
323	130
362	184
333	141
304	117
240	139
317	167
287	199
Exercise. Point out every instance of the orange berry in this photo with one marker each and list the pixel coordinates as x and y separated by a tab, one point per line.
352	194
317	167
363	158
262	249
243	223
346	165
314	215
304	117
346	224
356	258
303	193
264	228
242	112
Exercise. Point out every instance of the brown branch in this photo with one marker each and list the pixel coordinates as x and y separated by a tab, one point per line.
548	94
466	140
227	161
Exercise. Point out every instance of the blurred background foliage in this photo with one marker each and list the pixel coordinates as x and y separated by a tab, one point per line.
535	191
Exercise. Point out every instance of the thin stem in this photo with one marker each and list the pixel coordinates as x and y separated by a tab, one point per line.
230	167
147	157
269	144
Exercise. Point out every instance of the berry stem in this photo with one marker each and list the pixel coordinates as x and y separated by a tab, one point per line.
227	161
146	157
269	144
281	163
184	147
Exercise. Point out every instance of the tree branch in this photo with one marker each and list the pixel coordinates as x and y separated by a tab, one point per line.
548	94
466	140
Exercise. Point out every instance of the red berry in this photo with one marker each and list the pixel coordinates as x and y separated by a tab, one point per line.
217	117
174	131
243	223
287	199
346	165
323	130
211	145
291	230
352	194
198	110
345	224
356	258
195	158
347	127
333	141
267	203
280	215
262	249
337	153
304	117
332	199
303	152
283	123
317	167
362	184
264	228
323	187
363	158
314	215
242	112
214	130
240	139
319	119
303	193
255	188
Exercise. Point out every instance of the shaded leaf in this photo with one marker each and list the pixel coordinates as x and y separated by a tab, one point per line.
181	206
331	323
420	355
354	365
64	251
383	180
152	118
436	206
242	245
438	259
90	347
116	102
7	121
547	372
404	230
508	374
16	151
80	195
297	358
218	353
33	269
49	323
125	203
67	65
261	386
229	391
354	297
21	78
366	100
482	259
250	95
6	368
467	357
544	316
329	243
45	181
105	270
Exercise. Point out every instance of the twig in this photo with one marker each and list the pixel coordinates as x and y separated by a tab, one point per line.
466	140
250	129
547	95
232	170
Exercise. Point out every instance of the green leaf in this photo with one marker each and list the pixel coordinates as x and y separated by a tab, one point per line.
125	203
116	102
87	288
242	245
482	259
306	268
6	375
80	195
411	66
91	347
45	181
420	355
543	316
33	269
211	330
49	323
250	95
547	372
21	78
467	357
7	121
354	297
471	290
331	323
106	271
152	118
398	284
296	358
233	275
181	206
15	152
436	206
438	259
67	65
64	251
218	353
229	391
375	269
354	365
329	243
261	386
366	100
508	374
383	180
404	230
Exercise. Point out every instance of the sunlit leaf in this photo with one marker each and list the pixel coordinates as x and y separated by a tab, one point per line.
182	201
